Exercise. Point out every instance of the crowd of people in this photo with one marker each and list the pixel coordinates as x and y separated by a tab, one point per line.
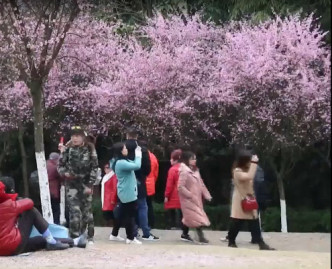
127	190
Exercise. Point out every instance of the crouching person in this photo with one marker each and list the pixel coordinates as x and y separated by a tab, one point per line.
16	222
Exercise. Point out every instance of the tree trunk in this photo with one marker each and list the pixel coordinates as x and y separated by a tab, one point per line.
282	204
38	116
24	160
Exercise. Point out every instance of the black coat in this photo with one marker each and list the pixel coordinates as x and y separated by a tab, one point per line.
145	170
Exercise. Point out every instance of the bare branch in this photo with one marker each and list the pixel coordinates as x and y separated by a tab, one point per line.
74	12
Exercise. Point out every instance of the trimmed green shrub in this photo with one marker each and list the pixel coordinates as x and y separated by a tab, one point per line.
299	220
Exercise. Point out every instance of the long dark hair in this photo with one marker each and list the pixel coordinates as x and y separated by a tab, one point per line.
242	159
186	156
116	153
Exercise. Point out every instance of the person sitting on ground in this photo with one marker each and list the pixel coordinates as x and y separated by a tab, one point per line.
192	190
16	222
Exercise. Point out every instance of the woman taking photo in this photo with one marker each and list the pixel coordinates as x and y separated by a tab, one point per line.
243	172
192	190
126	187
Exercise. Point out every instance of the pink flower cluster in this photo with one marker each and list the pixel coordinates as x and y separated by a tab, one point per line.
267	84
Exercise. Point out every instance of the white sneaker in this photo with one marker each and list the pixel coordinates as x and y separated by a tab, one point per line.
116	238
134	241
90	242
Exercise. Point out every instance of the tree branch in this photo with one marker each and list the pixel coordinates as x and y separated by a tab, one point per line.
74	12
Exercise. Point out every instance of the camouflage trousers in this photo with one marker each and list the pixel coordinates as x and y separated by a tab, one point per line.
79	201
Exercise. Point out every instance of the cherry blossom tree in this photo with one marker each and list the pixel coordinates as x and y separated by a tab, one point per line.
32	34
281	71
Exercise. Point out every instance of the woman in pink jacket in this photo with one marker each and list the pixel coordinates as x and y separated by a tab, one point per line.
192	190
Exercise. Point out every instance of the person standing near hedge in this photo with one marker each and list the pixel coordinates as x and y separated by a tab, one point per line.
172	201
127	187
78	165
192	190
244	170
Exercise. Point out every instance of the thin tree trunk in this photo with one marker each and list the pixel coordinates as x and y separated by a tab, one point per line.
283	213
38	115
24	160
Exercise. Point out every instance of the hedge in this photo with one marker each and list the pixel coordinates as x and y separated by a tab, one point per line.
299	220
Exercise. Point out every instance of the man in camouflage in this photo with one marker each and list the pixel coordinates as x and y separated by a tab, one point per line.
78	164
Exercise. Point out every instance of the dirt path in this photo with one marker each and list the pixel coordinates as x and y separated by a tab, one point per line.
294	251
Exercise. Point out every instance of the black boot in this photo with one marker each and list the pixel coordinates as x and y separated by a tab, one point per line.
264	246
232	245
201	238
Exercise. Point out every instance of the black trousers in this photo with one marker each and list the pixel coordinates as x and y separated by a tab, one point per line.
174	217
26	221
236	225
149	200
127	217
56	210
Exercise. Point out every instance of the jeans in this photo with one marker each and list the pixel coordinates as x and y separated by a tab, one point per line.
142	217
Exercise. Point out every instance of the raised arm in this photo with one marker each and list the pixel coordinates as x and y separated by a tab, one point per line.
129	165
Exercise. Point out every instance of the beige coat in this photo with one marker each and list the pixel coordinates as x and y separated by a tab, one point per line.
192	190
243	185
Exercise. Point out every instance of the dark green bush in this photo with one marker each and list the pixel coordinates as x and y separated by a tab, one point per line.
299	220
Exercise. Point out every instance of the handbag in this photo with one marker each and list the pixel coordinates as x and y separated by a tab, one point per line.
249	203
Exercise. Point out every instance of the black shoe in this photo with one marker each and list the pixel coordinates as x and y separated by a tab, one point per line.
264	246
57	246
203	240
83	241
232	245
254	242
186	237
68	241
151	237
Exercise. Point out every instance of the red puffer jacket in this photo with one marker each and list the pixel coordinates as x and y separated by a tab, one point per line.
109	191
171	191
10	236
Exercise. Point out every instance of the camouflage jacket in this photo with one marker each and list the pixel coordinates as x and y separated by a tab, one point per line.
80	162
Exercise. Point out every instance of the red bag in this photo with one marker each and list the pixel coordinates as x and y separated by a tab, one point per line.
249	203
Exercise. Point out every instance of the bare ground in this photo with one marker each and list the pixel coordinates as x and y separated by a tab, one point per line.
294	250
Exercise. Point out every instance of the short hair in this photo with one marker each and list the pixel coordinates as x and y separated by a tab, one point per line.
132	132
54	156
176	154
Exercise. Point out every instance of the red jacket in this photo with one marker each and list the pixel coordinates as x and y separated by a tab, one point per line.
171	191
153	176
54	178
109	196
10	236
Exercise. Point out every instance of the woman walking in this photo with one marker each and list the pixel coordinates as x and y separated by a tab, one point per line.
192	190
244	170
127	187
172	200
